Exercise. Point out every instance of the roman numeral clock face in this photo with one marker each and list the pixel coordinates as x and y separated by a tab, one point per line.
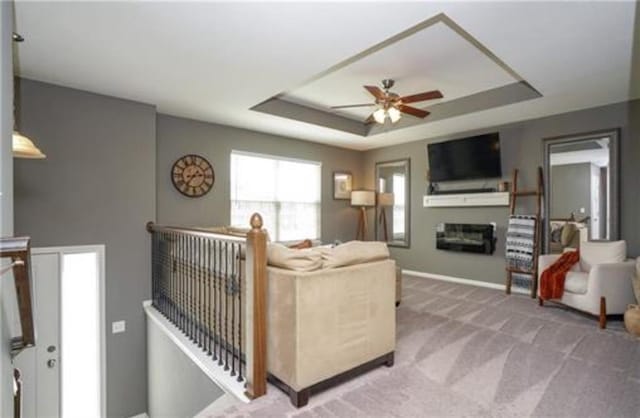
192	175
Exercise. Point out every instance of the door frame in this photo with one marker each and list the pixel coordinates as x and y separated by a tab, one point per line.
99	249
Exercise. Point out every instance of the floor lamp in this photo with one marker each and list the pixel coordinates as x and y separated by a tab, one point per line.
384	200
362	199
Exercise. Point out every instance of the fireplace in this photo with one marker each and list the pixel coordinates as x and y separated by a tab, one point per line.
472	238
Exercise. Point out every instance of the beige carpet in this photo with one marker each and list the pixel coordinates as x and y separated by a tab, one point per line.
469	351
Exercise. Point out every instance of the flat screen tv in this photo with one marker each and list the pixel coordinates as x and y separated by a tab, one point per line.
475	157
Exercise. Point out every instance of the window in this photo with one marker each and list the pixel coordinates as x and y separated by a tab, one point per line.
398	204
285	192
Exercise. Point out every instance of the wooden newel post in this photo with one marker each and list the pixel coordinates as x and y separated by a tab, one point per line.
257	304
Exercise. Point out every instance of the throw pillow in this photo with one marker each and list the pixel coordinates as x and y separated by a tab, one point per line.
601	252
307	259
568	232
302	244
353	252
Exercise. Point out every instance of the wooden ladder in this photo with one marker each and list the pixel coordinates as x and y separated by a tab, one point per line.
537	193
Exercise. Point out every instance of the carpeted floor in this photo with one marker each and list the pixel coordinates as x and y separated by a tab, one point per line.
469	351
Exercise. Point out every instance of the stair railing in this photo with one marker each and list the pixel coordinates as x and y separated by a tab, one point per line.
212	286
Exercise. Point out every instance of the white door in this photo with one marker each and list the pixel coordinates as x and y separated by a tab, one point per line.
63	375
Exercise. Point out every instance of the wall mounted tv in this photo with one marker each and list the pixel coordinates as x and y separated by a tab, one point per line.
475	157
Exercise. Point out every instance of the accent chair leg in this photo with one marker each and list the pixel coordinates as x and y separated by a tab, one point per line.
603	313
299	399
540	301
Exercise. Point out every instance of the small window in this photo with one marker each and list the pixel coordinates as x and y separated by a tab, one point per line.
285	192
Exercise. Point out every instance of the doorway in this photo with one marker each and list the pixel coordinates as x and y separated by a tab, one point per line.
64	374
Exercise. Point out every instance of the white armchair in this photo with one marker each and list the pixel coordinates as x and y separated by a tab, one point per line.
600	284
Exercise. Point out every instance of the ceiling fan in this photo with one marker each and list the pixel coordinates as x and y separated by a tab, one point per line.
391	105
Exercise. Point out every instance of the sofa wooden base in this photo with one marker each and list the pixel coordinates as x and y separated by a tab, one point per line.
301	398
602	317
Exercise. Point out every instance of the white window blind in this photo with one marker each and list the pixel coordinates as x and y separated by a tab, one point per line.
285	192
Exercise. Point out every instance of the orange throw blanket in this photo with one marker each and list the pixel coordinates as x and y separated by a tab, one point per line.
552	279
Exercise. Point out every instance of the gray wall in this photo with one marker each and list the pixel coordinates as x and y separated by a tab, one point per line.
570	190
6	201
521	145
97	186
177	137
177	387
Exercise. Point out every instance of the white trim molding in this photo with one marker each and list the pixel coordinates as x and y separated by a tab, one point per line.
142	415
451	279
222	379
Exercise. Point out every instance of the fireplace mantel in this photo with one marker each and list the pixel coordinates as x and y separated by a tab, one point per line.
466	199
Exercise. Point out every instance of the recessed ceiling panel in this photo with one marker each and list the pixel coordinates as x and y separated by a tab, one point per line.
436	57
436	54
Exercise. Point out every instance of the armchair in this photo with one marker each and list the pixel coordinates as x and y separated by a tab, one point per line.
600	284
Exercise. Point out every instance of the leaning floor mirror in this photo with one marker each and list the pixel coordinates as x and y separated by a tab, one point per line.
582	189
393	202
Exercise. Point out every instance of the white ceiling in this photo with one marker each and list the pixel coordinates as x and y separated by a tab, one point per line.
214	61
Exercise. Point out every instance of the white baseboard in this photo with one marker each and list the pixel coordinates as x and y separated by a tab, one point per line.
478	283
142	415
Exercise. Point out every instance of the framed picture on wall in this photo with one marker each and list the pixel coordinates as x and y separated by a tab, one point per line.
342	185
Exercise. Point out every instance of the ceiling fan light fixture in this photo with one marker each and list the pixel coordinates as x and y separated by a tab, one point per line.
380	115
394	114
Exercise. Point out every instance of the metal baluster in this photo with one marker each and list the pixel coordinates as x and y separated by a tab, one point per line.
171	270
210	296
174	257
214	300
183	284
233	309
191	287
219	277
153	268
226	305
200	296
240	327
162	283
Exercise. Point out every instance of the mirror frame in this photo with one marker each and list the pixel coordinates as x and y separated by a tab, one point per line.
614	179
406	243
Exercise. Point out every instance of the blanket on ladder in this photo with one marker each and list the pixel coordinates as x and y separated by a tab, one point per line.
520	241
552	278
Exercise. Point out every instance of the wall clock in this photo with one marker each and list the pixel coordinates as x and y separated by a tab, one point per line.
192	175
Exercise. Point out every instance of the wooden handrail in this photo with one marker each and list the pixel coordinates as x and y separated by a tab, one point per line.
19	250
196	232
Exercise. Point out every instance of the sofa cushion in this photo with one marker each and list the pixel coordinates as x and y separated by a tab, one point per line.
307	259
601	252
576	282
353	252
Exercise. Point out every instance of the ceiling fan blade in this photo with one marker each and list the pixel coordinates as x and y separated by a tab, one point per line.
353	105
375	91
419	113
421	97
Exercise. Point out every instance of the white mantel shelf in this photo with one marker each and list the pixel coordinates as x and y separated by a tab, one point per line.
466	199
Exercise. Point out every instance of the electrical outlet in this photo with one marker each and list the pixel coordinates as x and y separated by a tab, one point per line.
118	327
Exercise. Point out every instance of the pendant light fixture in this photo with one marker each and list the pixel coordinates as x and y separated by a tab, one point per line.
23	147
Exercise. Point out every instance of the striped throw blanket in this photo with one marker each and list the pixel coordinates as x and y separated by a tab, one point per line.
520	240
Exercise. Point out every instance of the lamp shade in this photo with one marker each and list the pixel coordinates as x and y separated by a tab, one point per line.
363	198
23	147
385	199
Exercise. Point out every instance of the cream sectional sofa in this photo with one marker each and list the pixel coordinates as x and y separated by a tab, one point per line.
331	323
